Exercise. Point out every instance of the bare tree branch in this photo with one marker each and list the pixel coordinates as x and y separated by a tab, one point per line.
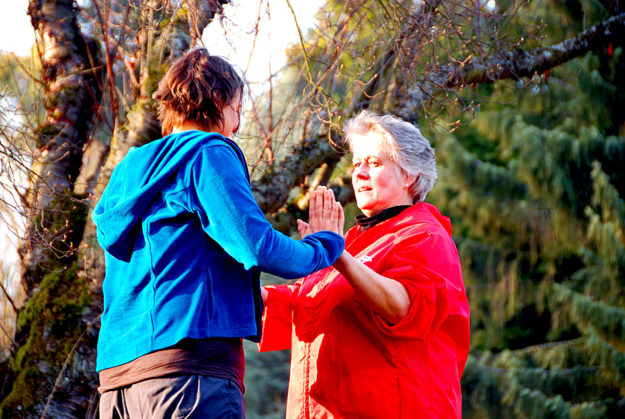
272	189
517	63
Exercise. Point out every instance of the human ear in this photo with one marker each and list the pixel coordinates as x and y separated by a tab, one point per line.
409	180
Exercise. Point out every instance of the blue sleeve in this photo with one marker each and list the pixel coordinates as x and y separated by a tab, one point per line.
222	197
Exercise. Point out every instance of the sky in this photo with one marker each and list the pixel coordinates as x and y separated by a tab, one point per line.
16	32
277	30
276	24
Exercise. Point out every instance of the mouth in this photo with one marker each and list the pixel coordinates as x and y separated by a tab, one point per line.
363	189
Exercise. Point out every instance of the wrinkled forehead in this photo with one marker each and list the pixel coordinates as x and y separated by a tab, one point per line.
370	144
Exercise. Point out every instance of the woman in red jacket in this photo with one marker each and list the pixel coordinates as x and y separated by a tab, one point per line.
384	333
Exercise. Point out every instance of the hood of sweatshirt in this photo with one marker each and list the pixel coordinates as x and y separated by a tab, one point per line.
136	180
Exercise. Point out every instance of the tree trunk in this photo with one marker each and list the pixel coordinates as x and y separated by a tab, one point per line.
52	317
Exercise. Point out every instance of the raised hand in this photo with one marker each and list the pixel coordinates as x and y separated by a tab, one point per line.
325	213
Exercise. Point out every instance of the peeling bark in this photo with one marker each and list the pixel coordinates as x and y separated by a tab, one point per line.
71	73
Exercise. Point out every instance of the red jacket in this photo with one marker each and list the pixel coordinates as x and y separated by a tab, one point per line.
346	360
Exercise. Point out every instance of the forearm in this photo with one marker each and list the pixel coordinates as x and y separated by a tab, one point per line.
385	296
238	225
314	252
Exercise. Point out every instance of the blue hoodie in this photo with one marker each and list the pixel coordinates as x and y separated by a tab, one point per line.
184	241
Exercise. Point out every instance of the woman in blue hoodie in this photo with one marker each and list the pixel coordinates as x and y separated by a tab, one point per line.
185	242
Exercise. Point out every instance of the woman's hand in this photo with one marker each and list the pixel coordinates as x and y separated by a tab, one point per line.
325	214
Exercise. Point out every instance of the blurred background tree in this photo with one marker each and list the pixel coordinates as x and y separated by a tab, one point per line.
522	100
535	184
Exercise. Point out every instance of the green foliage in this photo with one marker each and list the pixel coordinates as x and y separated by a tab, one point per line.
606	320
535	189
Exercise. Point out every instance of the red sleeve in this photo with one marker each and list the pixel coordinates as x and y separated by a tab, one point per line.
278	317
428	267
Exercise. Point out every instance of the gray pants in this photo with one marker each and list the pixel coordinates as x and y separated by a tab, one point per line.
188	396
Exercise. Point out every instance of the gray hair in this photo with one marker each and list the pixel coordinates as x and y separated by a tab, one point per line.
403	143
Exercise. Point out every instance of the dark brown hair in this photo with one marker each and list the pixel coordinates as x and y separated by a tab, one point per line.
197	87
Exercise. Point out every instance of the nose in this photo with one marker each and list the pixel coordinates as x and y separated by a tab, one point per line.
362	171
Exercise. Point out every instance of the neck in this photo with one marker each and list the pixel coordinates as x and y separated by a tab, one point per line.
190	125
401	202
366	222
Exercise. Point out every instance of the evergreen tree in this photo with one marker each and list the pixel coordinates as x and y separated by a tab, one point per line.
535	187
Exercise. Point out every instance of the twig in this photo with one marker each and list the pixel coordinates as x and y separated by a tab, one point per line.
69	356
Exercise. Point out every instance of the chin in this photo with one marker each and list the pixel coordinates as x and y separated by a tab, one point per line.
362	206
367	211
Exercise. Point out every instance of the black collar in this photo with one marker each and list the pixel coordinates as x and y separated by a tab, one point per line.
367	222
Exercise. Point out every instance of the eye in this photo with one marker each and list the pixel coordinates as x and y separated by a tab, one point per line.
356	164
374	163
